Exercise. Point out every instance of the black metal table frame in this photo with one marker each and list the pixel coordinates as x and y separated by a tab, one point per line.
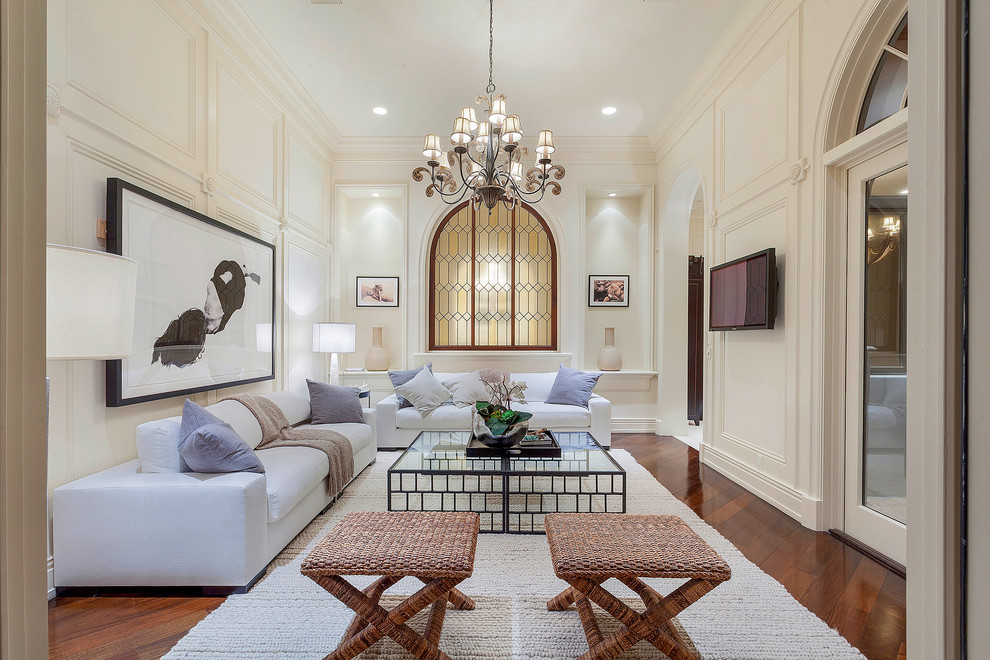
503	472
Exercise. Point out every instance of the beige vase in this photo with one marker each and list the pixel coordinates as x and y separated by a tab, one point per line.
377	358
610	359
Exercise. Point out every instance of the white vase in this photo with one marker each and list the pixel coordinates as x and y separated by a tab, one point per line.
377	358
610	359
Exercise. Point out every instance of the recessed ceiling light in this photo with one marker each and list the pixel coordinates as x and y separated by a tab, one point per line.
379	110
608	110
375	195
611	194
904	192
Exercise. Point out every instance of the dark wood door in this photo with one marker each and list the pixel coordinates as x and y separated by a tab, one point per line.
696	336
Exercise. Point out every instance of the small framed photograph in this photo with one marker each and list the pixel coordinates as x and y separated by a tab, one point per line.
608	291
377	292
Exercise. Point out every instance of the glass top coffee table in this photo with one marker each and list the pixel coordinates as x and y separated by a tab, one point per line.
511	493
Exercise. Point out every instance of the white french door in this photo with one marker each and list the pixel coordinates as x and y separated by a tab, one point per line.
875	495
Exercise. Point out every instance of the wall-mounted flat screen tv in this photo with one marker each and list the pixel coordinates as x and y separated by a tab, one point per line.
743	293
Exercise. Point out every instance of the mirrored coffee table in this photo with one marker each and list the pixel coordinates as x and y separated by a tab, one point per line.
512	493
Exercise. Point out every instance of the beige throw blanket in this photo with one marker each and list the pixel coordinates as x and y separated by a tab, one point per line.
277	432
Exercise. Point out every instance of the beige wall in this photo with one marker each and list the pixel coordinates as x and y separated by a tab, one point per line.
749	130
156	94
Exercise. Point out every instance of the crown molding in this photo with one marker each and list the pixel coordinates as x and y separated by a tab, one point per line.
741	33
635	150
240	35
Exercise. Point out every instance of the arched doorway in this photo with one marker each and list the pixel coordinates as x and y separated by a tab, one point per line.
675	241
866	269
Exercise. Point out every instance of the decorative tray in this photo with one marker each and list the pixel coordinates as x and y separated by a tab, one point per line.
534	445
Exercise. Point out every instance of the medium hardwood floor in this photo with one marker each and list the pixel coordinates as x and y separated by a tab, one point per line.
860	598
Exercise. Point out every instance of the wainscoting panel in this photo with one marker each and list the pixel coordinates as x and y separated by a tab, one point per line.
753	406
141	38
306	285
307	185
247	138
756	121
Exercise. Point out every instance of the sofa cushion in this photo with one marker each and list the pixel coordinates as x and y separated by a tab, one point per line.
537	384
294	406
208	444
333	404
445	418
359	435
554	415
403	377
240	418
572	387
424	392
291	473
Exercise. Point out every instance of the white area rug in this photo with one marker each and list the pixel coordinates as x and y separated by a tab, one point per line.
287	616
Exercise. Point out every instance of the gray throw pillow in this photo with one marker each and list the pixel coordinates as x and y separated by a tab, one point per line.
424	392
333	404
209	444
403	377
572	387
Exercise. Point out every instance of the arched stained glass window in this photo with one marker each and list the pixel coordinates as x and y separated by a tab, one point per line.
493	281
888	90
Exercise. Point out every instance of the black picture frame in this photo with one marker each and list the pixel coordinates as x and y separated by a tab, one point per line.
595	290
233	314
364	283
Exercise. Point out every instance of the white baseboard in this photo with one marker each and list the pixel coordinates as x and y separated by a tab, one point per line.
51	578
633	425
804	509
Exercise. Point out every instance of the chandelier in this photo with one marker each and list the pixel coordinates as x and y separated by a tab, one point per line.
882	243
486	161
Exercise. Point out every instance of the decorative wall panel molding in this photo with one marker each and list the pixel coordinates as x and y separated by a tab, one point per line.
138	37
307	184
53	101
247	137
209	184
798	171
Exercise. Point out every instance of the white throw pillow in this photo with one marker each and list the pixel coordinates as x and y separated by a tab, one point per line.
466	389
424	392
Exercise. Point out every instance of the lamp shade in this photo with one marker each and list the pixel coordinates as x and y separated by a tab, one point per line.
544	145
90	304
333	338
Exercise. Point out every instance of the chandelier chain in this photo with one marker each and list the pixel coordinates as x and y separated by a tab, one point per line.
491	46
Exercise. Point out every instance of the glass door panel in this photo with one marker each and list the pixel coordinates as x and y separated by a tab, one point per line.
884	360
875	510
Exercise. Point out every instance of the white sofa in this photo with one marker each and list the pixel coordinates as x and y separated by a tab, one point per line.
397	428
146	523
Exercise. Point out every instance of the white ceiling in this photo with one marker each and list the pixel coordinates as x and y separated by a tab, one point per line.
558	61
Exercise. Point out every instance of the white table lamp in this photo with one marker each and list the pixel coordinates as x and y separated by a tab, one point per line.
90	304
334	338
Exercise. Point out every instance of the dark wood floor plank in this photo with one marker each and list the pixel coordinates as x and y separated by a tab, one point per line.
863	600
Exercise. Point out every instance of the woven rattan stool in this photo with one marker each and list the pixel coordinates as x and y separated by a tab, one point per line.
436	548
589	548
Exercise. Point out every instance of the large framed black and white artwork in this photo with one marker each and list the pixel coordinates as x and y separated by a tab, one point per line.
205	300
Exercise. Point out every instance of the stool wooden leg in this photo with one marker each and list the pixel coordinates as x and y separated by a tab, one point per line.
457	598
434	624
374	591
563	600
383	622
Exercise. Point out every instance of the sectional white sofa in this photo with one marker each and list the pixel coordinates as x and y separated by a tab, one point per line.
397	428
146	523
